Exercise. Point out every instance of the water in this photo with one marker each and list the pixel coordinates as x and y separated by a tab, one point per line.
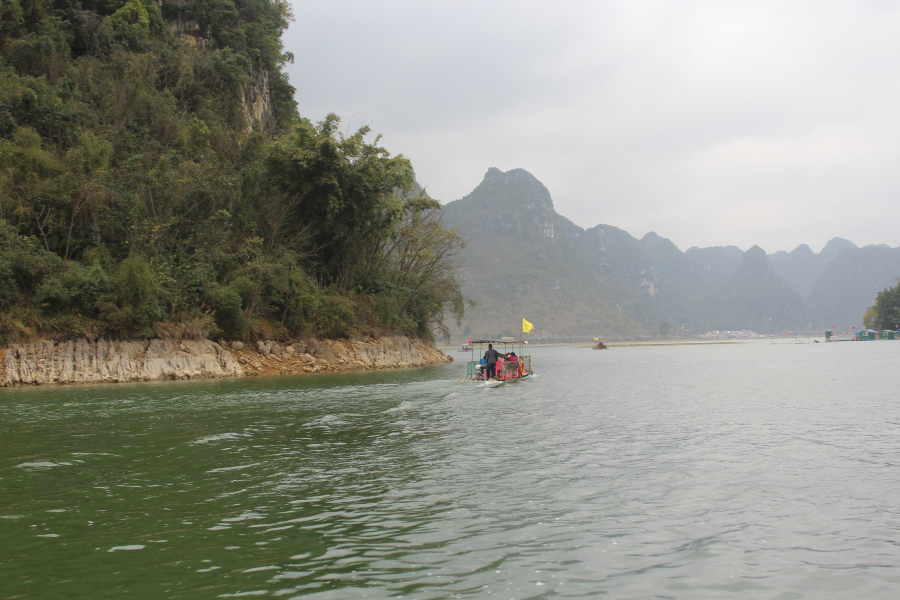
729	471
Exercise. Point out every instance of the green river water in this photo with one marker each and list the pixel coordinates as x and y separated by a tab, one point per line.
711	471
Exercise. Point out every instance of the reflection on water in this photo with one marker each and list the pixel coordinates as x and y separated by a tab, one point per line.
683	472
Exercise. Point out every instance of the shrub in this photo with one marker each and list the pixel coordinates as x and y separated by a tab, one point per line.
228	314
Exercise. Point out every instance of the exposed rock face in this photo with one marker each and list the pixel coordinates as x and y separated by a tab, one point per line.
108	361
187	30
316	356
256	97
256	102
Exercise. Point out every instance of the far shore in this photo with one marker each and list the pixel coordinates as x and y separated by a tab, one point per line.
634	344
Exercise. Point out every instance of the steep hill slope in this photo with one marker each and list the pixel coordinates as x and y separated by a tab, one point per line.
524	260
156	179
666	280
719	263
849	284
802	268
757	298
682	287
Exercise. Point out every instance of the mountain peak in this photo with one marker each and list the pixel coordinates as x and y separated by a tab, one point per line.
802	249
495	175
758	298
654	240
755	255
834	247
515	187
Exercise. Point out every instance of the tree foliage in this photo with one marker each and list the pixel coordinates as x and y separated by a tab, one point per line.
137	199
886	309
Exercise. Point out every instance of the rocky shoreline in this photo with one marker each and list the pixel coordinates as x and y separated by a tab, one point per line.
47	362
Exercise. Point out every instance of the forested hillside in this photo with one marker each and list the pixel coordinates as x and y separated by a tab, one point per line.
156	179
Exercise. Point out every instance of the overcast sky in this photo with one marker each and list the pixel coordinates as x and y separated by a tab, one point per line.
710	123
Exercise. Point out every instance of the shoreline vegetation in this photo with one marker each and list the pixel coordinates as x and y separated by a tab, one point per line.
158	183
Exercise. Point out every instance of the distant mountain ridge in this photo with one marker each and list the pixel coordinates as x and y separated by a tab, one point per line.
851	281
525	260
758	298
522	258
840	282
802	268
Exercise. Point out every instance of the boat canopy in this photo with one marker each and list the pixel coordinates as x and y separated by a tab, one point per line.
498	342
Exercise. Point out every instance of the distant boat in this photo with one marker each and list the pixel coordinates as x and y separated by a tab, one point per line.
465	348
600	346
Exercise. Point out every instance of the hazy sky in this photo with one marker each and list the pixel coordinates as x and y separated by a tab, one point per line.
711	123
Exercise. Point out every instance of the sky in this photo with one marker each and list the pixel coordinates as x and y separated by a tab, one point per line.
711	123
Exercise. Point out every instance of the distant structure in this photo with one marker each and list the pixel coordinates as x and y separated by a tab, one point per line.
862	336
743	334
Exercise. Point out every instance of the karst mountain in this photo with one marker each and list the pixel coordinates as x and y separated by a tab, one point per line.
523	259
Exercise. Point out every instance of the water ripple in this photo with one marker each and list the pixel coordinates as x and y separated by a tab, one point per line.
684	472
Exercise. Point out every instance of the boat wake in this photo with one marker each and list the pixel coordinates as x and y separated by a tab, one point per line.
490	384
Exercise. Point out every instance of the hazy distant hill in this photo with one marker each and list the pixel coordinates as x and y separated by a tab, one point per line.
682	287
670	285
522	260
802	268
756	297
719	263
525	260
849	283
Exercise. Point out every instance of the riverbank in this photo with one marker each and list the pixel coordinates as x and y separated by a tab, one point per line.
47	362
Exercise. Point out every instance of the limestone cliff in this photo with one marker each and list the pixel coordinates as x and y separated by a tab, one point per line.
110	361
360	354
256	97
256	102
107	361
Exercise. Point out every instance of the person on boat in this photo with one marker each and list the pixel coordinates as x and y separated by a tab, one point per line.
490	360
512	356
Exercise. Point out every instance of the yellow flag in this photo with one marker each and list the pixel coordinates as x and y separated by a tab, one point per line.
596	339
526	326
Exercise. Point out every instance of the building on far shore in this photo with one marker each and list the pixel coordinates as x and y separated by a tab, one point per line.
743	334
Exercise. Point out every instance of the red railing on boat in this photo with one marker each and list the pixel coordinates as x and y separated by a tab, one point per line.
512	369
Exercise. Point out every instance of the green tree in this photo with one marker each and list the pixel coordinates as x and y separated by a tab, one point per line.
415	271
887	308
343	189
870	319
136	198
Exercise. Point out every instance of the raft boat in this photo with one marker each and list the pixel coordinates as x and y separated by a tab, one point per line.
508	369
